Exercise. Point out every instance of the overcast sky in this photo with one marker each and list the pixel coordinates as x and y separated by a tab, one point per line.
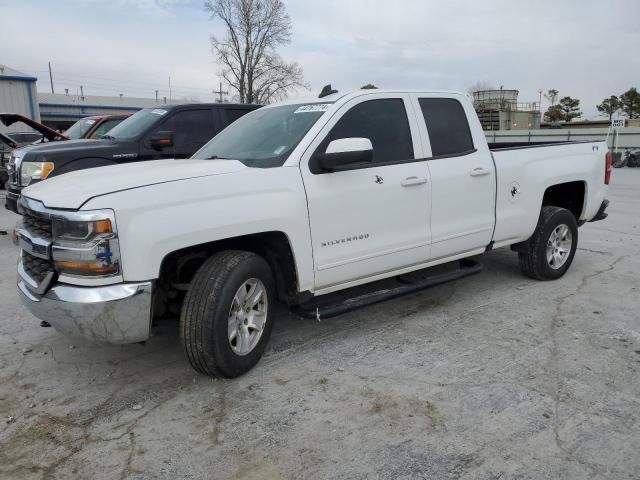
584	48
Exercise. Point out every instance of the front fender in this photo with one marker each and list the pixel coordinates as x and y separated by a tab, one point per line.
156	220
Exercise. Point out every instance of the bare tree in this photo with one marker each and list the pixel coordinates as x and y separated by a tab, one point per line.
252	67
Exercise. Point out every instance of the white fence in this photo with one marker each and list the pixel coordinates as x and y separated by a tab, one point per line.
626	138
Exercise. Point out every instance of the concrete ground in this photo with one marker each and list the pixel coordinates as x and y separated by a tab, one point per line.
494	376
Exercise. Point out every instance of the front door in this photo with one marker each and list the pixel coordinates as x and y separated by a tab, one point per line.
373	219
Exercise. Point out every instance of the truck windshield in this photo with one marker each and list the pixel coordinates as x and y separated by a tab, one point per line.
136	124
79	129
265	137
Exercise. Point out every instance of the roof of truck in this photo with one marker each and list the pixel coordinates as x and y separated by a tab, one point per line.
356	93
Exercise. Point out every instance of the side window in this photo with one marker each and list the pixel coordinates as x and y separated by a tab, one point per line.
234	114
104	127
191	129
384	122
447	125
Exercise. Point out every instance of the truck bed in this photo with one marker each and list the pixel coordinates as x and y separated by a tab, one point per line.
525	171
516	145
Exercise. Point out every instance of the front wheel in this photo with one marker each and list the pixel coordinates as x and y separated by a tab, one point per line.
550	250
227	317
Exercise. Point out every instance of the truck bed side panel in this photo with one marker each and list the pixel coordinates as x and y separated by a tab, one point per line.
524	174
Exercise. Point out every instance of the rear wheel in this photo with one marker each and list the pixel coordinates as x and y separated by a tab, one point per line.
550	250
226	317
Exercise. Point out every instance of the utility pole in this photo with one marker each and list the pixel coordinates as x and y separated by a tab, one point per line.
540	102
169	90
51	78
220	92
156	96
81	92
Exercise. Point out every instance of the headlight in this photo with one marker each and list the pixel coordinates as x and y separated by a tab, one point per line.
86	244
34	171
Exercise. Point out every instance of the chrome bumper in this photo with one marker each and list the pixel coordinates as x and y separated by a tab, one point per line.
118	313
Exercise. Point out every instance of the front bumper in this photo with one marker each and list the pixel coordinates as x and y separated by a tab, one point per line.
11	200
117	314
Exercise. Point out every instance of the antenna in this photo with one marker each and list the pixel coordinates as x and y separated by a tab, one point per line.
326	91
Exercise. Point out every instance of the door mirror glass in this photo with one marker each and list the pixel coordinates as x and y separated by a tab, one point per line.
345	152
160	140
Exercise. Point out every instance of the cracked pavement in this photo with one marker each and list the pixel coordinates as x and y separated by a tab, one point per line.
493	376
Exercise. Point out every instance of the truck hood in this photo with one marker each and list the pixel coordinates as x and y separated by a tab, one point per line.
9	119
70	146
72	190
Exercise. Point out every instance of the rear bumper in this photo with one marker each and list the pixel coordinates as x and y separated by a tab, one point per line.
601	214
117	314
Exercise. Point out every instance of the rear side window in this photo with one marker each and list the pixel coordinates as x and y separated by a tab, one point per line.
191	125
447	125
234	114
384	122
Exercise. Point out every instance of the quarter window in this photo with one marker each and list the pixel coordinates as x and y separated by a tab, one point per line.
384	122
234	114
447	125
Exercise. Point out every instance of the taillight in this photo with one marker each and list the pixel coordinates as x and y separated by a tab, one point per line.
608	160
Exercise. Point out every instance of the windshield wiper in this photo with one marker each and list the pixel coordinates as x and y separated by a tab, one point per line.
216	157
108	137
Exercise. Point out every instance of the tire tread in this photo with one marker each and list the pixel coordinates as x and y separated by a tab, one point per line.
200	304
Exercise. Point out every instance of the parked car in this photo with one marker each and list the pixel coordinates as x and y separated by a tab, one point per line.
12	140
170	131
298	202
632	159
94	127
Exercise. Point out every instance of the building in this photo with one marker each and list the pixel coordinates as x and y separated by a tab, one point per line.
18	95
500	110
60	110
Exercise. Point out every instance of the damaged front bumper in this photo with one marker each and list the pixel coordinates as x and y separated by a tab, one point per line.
117	314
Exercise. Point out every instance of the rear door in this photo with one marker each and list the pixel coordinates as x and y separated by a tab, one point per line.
462	173
371	219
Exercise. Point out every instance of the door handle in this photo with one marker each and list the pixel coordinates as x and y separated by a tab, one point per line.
407	182
477	172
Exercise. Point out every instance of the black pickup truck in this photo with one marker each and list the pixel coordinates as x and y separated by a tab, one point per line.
169	131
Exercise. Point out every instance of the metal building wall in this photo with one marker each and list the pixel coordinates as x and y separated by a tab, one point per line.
18	95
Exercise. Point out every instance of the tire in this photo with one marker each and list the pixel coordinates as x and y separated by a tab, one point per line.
206	322
534	260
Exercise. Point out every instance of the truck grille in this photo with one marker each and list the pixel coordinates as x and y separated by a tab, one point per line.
38	226
12	170
36	268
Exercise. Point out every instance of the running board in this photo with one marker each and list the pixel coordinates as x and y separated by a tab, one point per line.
327	306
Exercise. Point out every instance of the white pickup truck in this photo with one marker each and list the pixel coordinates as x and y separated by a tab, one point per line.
290	203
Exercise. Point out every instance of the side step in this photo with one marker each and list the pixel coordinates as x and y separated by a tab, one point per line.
331	305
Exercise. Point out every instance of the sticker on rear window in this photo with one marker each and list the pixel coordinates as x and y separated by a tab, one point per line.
159	111
90	122
315	107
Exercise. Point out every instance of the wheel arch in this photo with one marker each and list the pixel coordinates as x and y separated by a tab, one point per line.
178	267
569	195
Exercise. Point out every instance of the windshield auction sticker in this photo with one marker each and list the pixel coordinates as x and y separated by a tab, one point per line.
159	111
314	107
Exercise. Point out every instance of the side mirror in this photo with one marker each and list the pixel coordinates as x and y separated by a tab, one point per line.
345	152
160	140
